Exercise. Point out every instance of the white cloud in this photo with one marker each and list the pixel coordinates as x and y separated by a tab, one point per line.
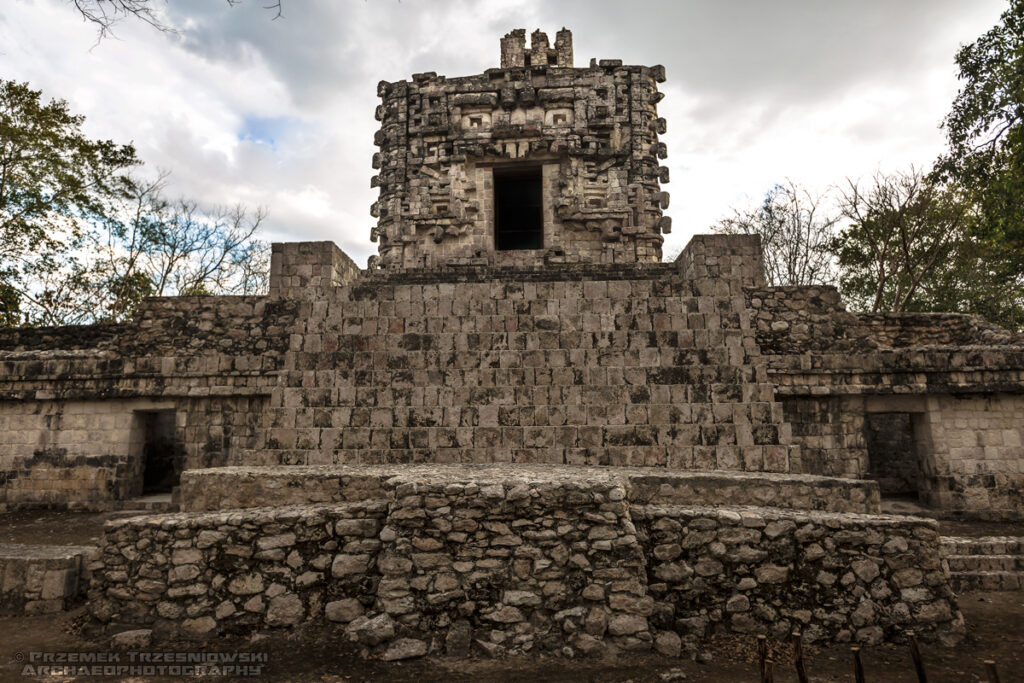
242	108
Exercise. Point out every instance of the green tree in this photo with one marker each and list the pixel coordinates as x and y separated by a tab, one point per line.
82	240
902	232
53	179
985	130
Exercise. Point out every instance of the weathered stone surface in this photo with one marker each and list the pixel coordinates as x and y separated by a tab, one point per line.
459	639
200	626
138	639
285	610
346	565
626	624
371	631
404	648
343	611
668	643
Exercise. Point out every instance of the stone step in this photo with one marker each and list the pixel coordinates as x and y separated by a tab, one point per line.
986	545
987	581
985	563
41	579
158	502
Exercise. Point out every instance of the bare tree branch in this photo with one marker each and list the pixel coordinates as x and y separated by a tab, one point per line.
794	236
105	14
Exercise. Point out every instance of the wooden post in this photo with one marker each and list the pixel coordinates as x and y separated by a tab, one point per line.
990	670
798	657
762	655
916	654
769	671
858	667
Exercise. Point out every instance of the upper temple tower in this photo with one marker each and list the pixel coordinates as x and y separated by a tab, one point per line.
533	162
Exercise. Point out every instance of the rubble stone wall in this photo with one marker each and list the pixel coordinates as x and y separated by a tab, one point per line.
833	577
230	572
523	564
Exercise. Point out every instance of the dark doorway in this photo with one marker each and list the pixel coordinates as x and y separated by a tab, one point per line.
160	467
518	209
893	458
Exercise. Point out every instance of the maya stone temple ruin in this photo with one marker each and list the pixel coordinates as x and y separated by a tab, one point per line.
517	422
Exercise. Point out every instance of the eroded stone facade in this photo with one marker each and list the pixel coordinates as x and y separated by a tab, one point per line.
591	134
694	365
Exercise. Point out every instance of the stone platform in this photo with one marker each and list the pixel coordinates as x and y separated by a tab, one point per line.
411	560
246	487
38	579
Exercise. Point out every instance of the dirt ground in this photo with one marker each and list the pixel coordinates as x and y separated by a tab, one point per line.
996	623
52	527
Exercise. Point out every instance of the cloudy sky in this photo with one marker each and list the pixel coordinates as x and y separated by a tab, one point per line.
241	107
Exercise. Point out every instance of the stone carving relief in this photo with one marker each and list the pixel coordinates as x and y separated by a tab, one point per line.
598	124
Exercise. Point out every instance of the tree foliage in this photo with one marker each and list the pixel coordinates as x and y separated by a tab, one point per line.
82	240
794	234
985	131
52	179
902	232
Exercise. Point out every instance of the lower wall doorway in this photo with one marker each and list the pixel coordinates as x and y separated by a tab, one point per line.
161	463
893	454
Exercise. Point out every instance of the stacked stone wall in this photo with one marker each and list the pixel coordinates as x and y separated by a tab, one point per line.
89	454
67	337
959	376
830	431
38	579
523	564
694	366
245	487
236	572
897	330
840	578
77	454
302	270
723	259
634	371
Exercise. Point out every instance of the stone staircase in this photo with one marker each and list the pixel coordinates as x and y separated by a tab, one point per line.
991	563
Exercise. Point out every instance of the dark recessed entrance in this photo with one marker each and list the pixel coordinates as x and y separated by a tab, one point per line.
159	456
893	458
518	209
